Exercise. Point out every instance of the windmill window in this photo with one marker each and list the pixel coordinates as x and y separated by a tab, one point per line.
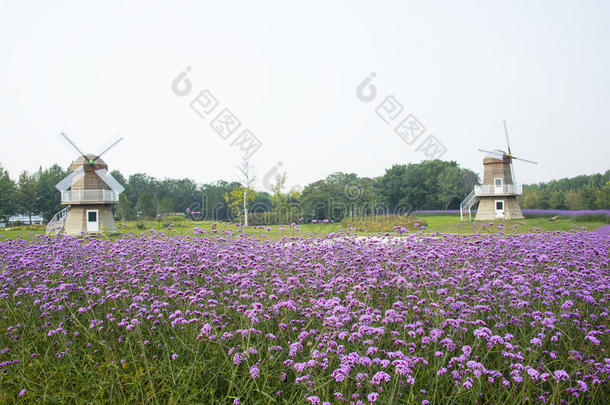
92	216
499	205
498	182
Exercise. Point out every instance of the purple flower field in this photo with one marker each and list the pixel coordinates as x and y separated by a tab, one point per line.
233	319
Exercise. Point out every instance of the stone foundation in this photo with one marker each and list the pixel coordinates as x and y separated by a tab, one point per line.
76	222
487	208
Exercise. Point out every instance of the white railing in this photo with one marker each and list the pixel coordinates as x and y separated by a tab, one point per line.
505	189
467	204
78	196
57	223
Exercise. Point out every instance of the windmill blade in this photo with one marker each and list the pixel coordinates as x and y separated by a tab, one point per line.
108	148
111	181
492	152
525	160
512	172
75	147
70	179
507	143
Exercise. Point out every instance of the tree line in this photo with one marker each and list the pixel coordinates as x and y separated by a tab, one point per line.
31	194
576	193
429	185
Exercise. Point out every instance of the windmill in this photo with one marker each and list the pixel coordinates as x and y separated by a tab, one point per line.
88	193
497	196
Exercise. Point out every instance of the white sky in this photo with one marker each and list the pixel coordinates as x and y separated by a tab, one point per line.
290	73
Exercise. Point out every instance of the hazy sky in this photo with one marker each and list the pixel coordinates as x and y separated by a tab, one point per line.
289	74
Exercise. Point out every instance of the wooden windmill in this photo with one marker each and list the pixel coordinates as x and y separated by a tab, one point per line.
497	196
89	192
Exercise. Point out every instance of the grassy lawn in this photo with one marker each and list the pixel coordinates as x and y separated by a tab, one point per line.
273	232
187	227
25	232
452	224
435	223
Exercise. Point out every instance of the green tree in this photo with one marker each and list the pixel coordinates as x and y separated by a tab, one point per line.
145	206
183	192
580	192
572	200
557	200
213	204
236	199
125	211
450	185
415	192
119	177
278	197
417	185
323	200
8	196
588	197
393	185
533	197
455	184
262	202
362	196
602	199
166	205
49	198
139	184
27	194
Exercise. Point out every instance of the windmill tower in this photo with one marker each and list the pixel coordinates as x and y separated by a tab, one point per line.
497	196
88	192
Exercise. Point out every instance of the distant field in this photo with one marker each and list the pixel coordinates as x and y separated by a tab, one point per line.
444	223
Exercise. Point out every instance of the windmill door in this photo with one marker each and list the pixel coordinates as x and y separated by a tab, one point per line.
499	205
93	221
498	189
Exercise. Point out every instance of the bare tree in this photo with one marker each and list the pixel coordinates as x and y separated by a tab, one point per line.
247	178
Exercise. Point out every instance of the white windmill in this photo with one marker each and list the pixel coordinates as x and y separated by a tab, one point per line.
497	196
89	192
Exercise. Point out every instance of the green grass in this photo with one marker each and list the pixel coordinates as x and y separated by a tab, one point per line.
187	227
383	223
24	232
452	224
362	227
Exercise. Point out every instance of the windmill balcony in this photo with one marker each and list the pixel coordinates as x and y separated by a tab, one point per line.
505	189
89	197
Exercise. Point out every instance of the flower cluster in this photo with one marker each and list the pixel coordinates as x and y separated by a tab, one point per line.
338	320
